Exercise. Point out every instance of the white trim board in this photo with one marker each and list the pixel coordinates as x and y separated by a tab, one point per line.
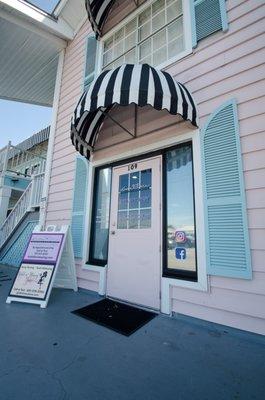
102	270
47	176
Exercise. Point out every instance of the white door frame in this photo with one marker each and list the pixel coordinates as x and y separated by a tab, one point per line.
166	283
159	201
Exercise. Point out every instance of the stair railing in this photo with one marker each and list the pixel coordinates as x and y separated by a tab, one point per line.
27	202
36	192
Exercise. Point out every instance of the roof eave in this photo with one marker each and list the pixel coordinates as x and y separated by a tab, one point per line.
51	24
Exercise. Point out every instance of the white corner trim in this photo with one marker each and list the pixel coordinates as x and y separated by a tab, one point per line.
46	183
102	276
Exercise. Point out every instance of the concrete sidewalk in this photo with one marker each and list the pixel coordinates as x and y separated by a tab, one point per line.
52	354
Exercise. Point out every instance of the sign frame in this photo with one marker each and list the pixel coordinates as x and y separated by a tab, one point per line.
31	297
63	274
40	261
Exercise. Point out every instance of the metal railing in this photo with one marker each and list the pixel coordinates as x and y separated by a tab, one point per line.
20	162
27	202
37	186
4	157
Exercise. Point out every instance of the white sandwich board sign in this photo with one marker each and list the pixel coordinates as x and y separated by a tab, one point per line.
47	262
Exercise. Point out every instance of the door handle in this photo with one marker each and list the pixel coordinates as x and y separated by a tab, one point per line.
112	232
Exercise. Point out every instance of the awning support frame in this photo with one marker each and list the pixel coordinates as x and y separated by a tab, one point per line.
145	134
134	135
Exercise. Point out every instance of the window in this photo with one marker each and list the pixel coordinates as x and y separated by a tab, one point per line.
154	36
90	60
179	221
100	217
134	206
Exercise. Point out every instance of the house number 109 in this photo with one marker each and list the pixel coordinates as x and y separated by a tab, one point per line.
131	167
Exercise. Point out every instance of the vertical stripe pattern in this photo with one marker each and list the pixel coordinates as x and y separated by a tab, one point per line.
130	83
98	11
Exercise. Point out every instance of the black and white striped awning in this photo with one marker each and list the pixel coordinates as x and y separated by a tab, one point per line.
98	11
140	84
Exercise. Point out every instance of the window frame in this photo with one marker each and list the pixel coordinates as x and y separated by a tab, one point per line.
92	260
170	272
184	275
187	33
167	284
86	85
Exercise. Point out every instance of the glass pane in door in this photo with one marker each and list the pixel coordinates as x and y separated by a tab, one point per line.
134	200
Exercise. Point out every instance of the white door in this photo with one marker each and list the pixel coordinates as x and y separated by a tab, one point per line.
134	258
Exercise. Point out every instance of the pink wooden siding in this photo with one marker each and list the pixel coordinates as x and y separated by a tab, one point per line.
60	198
223	66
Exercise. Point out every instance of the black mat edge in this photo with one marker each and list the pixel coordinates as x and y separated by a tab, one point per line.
75	312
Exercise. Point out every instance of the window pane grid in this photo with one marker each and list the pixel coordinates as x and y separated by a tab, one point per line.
134	200
142	32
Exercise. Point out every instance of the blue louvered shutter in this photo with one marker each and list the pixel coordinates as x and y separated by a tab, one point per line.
79	205
90	65
208	16
227	242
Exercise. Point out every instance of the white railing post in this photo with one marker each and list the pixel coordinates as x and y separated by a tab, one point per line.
5	163
29	200
5	192
32	191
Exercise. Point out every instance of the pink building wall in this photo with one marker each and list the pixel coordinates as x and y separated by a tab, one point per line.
223	66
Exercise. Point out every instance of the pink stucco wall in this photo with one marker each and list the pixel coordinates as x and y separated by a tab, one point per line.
223	66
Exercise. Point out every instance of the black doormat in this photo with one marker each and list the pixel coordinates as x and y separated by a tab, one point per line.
119	317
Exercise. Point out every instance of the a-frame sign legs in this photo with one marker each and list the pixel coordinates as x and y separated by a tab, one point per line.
48	262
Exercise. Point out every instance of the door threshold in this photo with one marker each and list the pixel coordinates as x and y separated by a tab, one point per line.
146	308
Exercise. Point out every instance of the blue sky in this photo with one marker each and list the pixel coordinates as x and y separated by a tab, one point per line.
21	120
47	5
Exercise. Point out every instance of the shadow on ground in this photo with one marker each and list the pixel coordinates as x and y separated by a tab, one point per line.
52	354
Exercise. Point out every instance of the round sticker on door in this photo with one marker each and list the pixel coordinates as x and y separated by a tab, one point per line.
180	236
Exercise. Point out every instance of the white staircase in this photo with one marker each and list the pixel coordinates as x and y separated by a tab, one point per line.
13	160
29	200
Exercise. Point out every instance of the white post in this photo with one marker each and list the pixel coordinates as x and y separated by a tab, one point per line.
5	192
46	182
5	163
32	193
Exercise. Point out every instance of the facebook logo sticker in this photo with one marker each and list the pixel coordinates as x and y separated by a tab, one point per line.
180	253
